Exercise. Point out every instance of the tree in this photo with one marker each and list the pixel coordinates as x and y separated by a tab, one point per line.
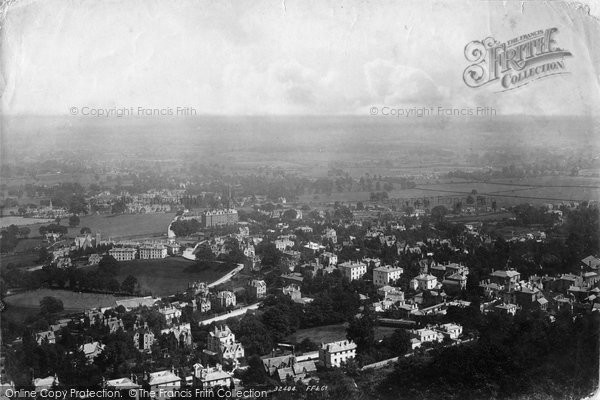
24	231
85	230
290	215
73	221
470	199
51	305
438	213
118	207
108	265
361	331
399	342
129	284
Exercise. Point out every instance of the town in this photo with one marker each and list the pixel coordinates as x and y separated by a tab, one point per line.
281	298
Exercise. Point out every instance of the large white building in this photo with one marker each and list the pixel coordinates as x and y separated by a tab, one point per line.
385	274
426	282
152	251
335	353
123	253
353	270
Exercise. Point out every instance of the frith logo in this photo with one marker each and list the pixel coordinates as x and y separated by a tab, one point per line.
516	62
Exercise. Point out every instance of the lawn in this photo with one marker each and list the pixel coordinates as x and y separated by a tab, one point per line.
128	225
168	276
25	259
72	301
332	333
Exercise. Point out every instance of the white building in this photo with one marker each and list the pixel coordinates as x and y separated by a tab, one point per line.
329	259
335	353
452	331
391	293
385	274
123	253
330	234
353	270
283	244
91	350
166	380
170	313
424	335
426	282
152	251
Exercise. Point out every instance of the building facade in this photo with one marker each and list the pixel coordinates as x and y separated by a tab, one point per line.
123	253
353	270
334	354
152	251
219	218
385	274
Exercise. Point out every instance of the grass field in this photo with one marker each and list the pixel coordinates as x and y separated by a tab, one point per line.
536	190
72	301
332	333
168	276
26	259
128	225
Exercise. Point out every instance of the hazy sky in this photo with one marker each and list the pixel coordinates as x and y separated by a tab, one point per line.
281	57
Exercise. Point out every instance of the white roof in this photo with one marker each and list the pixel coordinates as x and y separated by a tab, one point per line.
161	377
122	383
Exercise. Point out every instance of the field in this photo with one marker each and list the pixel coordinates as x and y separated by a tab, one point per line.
26	259
331	333
168	276
128	225
506	192
72	301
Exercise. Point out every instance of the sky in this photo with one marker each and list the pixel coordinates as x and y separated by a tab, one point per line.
282	57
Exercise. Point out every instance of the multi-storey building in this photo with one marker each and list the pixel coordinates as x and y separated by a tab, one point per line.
123	253
329	259
46	336
221	341
426	282
424	335
225	299
182	333
166	380
257	288
219	217
330	234
391	293
204	305
385	274
143	339
171	314
507	278
335	353
353	270
152	251
293	291
211	377
283	244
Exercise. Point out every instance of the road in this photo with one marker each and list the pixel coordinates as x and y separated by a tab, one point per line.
234	313
226	277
